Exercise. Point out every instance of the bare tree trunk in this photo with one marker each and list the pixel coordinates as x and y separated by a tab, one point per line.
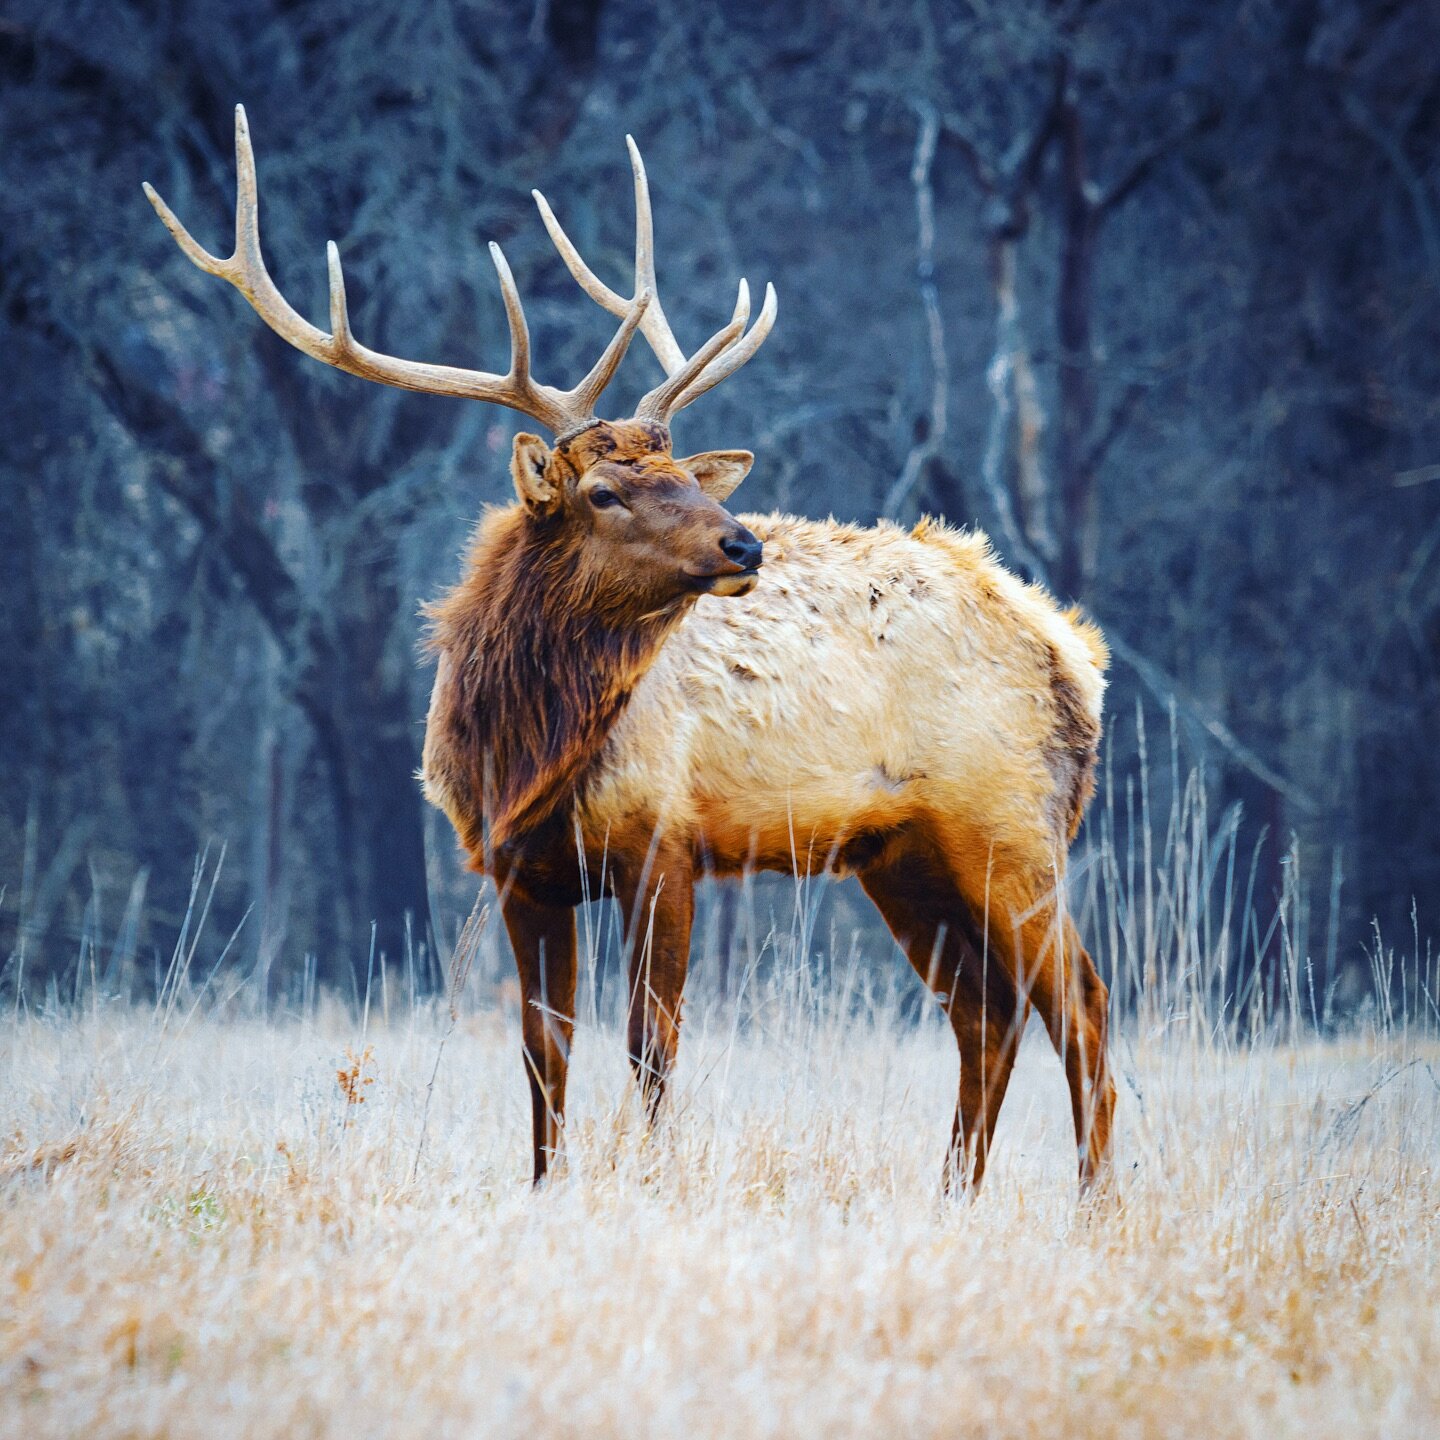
372	747
1014	459
570	31
1023	404
1076	380
931	429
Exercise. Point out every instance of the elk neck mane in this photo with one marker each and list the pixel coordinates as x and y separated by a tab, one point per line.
543	653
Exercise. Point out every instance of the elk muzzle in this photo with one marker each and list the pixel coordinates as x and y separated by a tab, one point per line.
743	555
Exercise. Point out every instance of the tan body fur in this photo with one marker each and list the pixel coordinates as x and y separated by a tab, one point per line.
874	678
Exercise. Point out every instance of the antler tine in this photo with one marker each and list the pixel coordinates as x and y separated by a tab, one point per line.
588	391
197	254
245	270
655	327
728	363
585	277
514	317
666	347
660	404
247	198
339	309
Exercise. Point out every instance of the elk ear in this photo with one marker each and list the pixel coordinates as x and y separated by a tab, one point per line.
528	464
718	471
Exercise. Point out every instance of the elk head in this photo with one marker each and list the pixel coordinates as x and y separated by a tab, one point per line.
633	512
610	491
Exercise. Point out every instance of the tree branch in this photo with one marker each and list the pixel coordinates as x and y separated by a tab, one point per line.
1019	168
1025	167
189	475
959	131
1135	174
929	446
1168	692
1390	147
1115	423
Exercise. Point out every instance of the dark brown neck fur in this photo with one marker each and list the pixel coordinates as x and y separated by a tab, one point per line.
544	655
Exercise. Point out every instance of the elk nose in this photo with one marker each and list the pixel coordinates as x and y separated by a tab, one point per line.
743	549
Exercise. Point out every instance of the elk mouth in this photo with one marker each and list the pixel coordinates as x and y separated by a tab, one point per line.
729	584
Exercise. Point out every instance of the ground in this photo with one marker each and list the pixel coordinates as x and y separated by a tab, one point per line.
223	1224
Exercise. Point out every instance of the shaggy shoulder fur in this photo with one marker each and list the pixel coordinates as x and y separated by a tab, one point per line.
536	660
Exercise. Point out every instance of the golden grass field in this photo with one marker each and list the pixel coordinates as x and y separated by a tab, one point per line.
214	1225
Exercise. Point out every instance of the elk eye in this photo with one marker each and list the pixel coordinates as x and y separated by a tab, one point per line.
603	499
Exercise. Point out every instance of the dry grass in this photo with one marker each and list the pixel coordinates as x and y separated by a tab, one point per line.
206	1232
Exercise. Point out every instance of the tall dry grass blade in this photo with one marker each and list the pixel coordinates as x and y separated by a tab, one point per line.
462	958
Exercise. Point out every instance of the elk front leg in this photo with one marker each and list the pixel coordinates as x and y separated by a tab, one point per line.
658	903
543	938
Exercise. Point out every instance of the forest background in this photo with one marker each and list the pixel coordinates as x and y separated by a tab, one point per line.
1149	293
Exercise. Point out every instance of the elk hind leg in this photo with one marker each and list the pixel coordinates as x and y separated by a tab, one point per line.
1057	974
932	923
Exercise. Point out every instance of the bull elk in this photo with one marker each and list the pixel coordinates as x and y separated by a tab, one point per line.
625	699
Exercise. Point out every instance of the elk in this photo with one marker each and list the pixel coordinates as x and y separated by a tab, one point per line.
634	687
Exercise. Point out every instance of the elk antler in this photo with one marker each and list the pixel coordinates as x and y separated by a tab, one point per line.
559	410
687	378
